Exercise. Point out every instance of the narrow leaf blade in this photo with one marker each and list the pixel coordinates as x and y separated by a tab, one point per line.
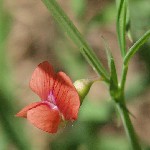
113	72
136	47
113	78
121	25
67	25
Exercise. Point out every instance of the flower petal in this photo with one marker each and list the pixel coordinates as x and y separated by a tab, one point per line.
44	118
23	112
66	96
42	80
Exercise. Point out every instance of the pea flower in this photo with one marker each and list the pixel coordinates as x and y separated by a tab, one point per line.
59	99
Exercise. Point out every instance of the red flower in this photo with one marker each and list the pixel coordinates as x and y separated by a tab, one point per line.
59	99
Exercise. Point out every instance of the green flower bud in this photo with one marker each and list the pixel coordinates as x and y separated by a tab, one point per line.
83	86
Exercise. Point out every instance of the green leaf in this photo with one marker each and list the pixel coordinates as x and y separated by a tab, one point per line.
136	47
121	25
113	73
113	78
69	28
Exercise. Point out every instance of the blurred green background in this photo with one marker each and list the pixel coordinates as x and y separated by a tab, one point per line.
29	35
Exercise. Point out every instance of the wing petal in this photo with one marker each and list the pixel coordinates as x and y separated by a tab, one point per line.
66	96
44	118
42	80
23	112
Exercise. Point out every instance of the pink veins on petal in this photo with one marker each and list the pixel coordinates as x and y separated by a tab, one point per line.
59	99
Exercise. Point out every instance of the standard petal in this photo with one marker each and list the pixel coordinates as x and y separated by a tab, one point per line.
23	112
66	96
42	80
44	118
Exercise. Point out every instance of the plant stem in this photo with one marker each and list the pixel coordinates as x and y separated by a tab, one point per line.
124	113
64	22
128	125
123	79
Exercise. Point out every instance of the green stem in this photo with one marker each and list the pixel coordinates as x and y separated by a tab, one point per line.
123	79
124	113
77	38
128	125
